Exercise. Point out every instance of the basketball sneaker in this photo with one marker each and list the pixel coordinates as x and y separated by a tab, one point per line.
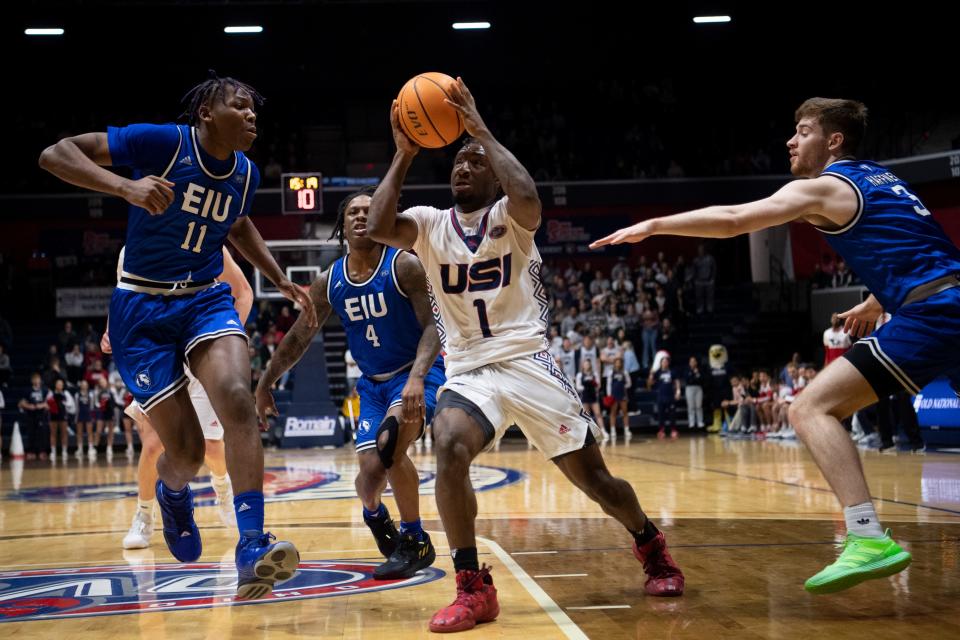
384	532
664	577
179	529
411	555
141	529
262	563
861	559
224	493
476	603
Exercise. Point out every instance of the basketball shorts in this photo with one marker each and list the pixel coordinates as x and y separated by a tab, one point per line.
209	422
376	398
533	393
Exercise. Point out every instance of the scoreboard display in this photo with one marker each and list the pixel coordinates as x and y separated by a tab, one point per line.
302	192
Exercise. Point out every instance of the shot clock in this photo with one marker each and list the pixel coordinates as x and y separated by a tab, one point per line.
302	192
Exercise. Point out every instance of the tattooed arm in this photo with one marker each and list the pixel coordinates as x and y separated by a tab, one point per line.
413	281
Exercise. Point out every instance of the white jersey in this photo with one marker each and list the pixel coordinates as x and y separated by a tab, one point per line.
488	301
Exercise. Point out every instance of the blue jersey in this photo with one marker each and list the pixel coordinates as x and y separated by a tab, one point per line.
382	329
892	243
186	241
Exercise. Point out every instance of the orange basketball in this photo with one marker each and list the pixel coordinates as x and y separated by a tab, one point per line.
424	116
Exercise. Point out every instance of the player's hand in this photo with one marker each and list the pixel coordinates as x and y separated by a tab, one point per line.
296	294
400	138
462	100
635	233
152	193
105	343
266	406
861	320
414	408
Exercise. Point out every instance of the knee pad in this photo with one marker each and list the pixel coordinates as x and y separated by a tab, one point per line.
391	427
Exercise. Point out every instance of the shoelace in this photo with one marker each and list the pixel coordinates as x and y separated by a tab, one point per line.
263	539
469	593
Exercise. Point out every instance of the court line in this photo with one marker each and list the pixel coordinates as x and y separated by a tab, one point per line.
562	620
531	553
562	575
783	482
601	606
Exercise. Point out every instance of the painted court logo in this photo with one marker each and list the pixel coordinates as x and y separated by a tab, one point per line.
51	594
296	481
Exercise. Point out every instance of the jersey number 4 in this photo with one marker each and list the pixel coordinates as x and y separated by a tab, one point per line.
900	190
372	336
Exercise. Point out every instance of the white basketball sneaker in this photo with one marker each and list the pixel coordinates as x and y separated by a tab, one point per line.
140	531
224	491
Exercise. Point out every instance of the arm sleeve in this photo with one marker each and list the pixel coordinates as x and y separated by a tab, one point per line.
146	147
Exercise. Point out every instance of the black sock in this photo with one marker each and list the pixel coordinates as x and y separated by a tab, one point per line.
648	533
465	558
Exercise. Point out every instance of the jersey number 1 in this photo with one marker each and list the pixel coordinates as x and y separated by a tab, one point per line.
200	237
482	314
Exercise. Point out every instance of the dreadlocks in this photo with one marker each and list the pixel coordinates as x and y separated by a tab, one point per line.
342	209
213	89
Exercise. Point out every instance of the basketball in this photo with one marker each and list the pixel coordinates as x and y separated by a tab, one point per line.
424	116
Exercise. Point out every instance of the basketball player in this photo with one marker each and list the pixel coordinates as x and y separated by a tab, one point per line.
484	272
192	187
883	231
141	529
381	297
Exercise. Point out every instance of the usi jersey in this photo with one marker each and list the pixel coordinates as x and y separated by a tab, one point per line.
484	275
382	329
185	241
892	243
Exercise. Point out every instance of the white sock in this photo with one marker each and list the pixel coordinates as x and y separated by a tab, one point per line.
219	482
862	520
145	507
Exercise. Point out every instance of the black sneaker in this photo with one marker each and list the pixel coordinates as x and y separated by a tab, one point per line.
384	532
411	556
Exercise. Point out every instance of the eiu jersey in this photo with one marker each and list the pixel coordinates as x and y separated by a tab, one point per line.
382	329
892	243
185	242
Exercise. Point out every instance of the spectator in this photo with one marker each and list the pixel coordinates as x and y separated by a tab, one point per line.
566	358
122	398
666	337
84	424
704	277
68	337
742	407
836	341
53	373
600	285
651	325
74	360
899	409
786	376
630	361
842	276
820	279
91	354
622	285
569	321
588	351
621	270
6	371
588	386
576	336
765	401
694	393
61	406
610	353
285	320
618	388
105	409
34	408
596	320
667	389
94	374
553	339
614	321
90	335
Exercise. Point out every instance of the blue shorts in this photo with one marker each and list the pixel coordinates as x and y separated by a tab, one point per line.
152	335
376	398
919	343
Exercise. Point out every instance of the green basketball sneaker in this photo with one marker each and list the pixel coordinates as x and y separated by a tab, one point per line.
861	559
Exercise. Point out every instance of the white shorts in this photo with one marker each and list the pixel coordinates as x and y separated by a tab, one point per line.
533	393
212	429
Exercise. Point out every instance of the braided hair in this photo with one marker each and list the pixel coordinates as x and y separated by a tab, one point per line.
342	210
211	89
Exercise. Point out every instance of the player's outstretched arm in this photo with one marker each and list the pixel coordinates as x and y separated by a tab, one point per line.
523	202
825	199
292	347
80	159
413	281
246	238
239	287
384	224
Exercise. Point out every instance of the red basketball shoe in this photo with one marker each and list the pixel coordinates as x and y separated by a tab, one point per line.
664	577
476	602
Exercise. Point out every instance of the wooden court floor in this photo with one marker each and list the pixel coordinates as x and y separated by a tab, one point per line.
748	522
